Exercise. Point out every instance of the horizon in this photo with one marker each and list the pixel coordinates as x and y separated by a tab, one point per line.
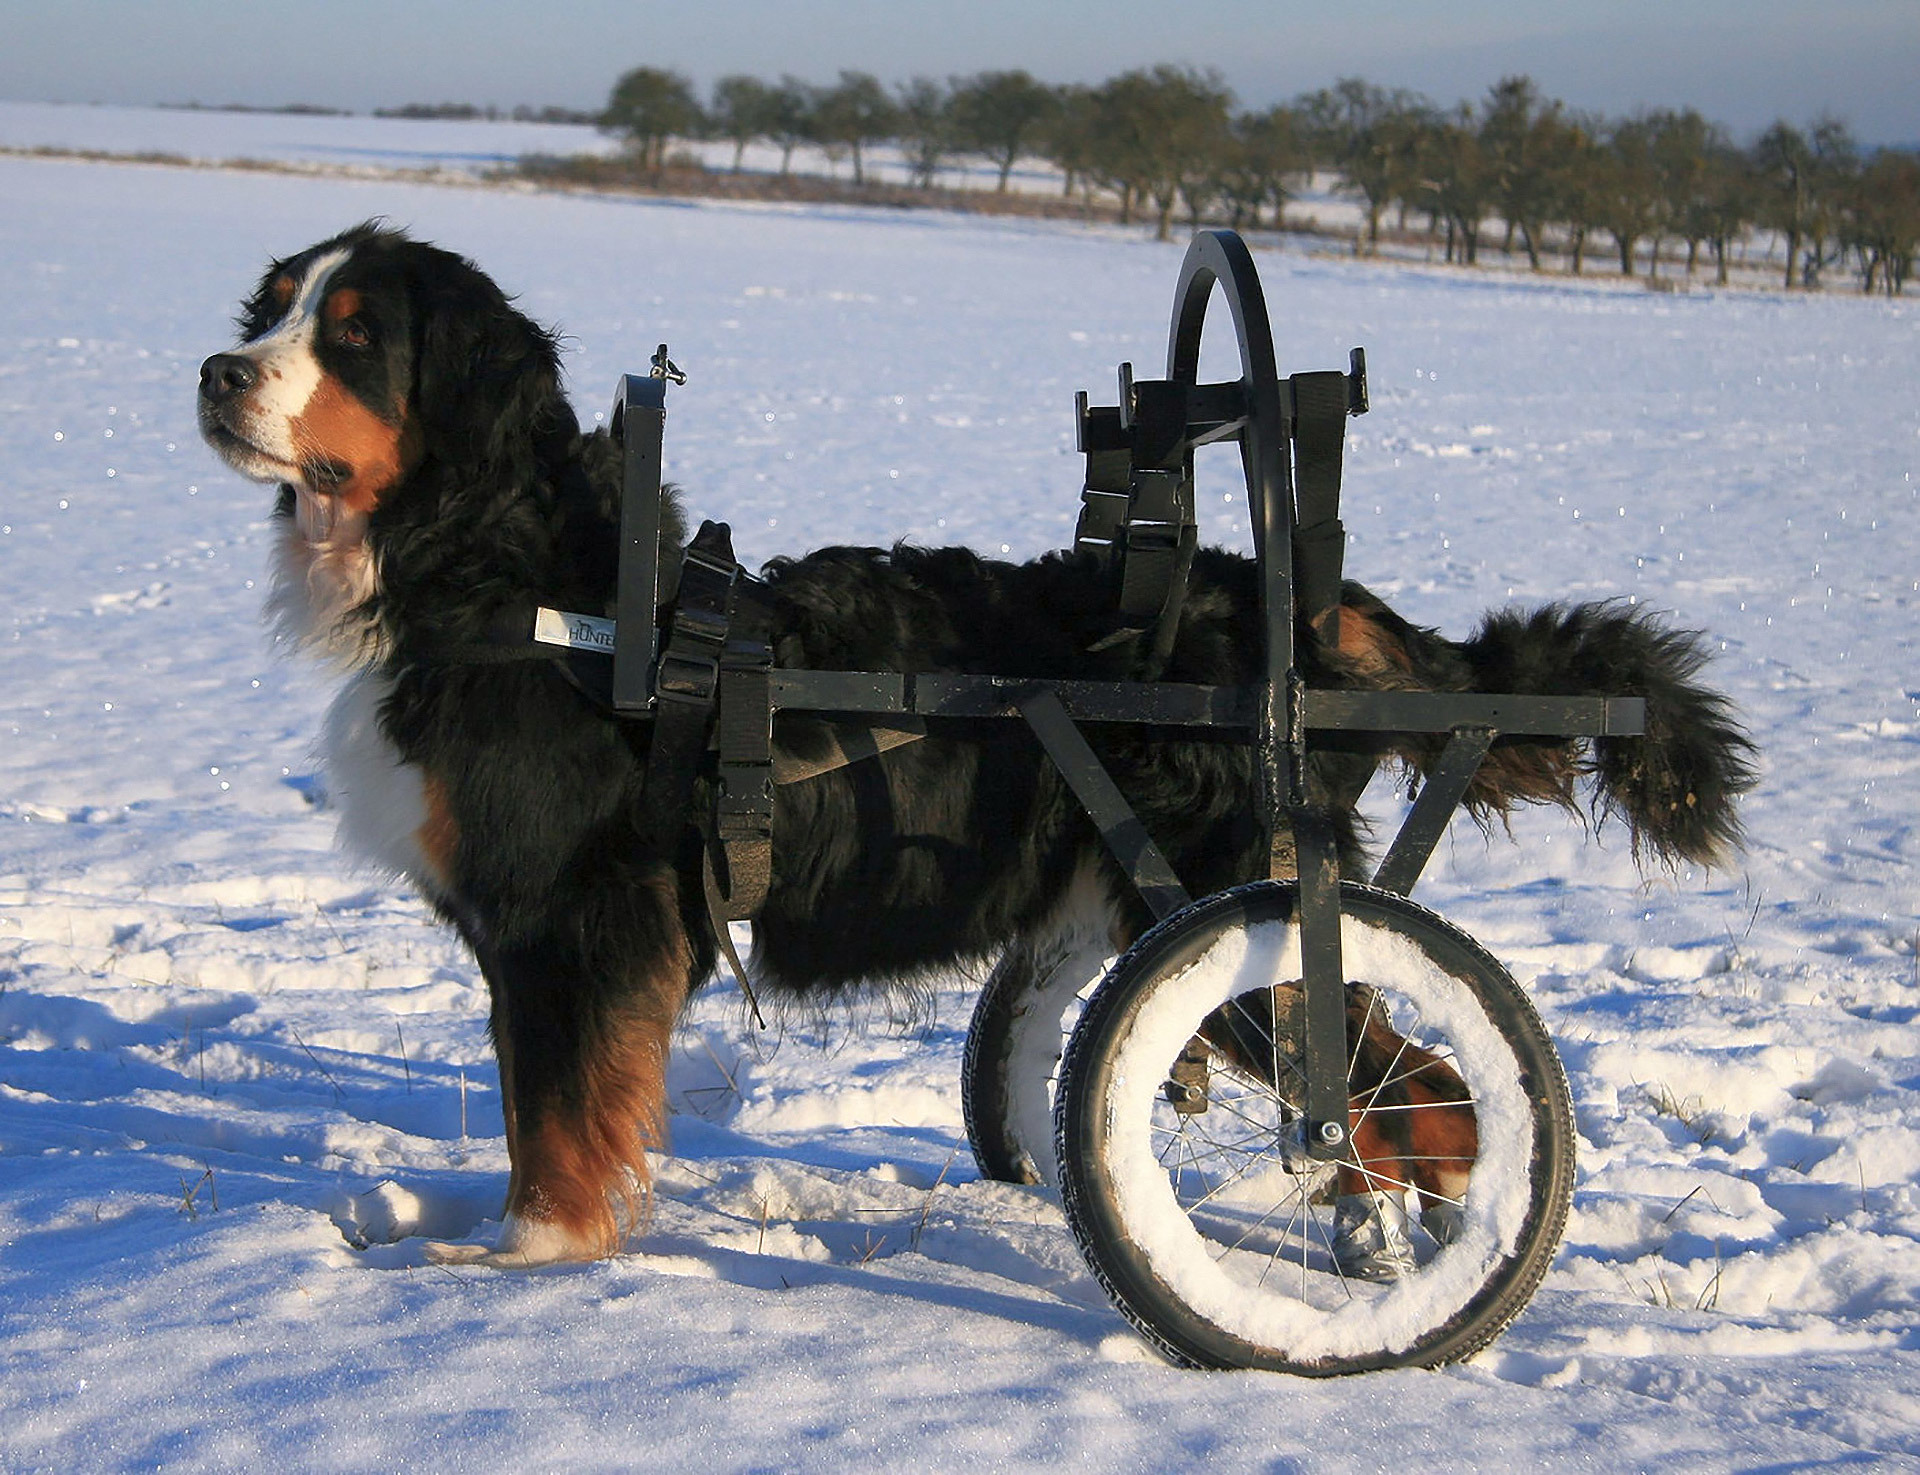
1742	65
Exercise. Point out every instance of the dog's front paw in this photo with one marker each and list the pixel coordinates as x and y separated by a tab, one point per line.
439	1252
523	1244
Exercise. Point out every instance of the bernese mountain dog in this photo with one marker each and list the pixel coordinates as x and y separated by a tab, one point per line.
432	475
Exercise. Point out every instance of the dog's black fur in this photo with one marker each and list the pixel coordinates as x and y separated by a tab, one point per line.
530	828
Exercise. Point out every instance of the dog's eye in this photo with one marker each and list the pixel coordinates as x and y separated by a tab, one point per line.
353	333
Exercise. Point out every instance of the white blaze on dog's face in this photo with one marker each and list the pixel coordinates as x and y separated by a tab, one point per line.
254	428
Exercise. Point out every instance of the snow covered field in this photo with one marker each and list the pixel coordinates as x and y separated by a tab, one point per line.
370	145
213	137
227	1058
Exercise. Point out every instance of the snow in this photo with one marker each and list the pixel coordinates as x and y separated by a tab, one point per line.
228	1059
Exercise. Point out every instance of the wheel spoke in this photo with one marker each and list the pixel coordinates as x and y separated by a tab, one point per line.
1353	1060
1302	1210
1374	1110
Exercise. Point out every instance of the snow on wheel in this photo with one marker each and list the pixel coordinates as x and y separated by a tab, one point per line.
1027	1008
1185	1179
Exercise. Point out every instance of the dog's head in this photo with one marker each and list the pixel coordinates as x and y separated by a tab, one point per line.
381	379
368	354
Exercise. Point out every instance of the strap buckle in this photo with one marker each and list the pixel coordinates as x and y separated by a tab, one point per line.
688	677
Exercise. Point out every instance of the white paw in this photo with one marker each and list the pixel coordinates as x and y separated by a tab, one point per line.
523	1244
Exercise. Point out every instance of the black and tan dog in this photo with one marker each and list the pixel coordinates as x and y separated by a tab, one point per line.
431	476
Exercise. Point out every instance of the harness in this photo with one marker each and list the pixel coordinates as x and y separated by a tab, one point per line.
705	677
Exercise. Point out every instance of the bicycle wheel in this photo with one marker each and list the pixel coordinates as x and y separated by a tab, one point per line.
1026	1009
1186	1181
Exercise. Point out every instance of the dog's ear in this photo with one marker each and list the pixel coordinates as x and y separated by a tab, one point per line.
487	378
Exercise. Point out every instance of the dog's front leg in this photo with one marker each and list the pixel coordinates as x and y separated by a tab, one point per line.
581	1026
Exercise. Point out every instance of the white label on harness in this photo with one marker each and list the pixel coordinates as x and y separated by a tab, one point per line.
576	632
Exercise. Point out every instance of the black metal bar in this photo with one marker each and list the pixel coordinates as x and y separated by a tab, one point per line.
1440	795
640	417
892	693
1125	836
1324	981
1180	704
1442	711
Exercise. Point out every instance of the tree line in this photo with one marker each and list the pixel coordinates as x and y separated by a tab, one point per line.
1170	141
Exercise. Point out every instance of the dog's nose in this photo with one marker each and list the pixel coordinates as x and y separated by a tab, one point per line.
225	375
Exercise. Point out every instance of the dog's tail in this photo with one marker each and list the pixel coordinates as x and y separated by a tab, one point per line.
1676	786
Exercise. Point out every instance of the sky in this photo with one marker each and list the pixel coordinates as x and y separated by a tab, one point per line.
1742	63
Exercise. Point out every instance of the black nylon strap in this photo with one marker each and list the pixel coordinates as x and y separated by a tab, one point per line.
688	680
1136	514
1104	502
508	641
1320	404
697	664
508	637
743	799
1146	573
716	915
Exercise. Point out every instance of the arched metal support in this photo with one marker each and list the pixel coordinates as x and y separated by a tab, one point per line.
1221	258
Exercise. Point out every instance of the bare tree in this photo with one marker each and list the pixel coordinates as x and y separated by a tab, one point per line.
1373	138
1836	168
1001	115
1684	146
853	114
648	106
1262	156
1883	220
1120	143
1070	139
1801	178
742	110
925	113
1522	146
1726	206
791	115
1628	193
1579	186
1456	181
1188	130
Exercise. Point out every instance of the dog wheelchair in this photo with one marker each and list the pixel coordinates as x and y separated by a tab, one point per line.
1303	1124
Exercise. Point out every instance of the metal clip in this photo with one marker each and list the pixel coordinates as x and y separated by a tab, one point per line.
666	368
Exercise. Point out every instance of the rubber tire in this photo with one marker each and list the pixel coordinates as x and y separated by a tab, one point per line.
1086	1143
1005	1069
986	1083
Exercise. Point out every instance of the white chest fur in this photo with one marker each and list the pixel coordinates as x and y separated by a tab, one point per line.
381	800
